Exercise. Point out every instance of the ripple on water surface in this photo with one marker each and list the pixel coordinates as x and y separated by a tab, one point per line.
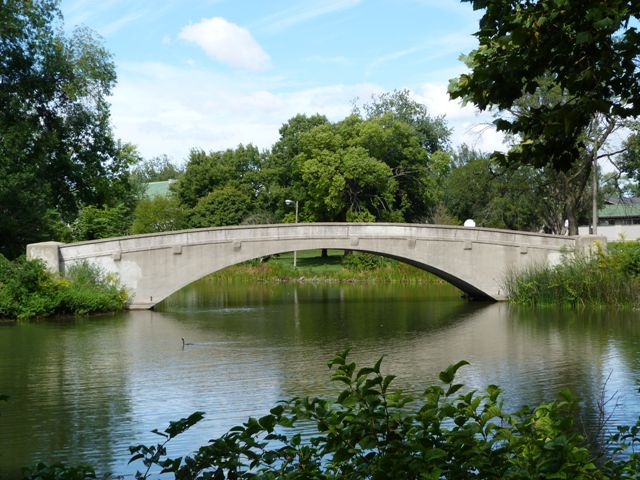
85	390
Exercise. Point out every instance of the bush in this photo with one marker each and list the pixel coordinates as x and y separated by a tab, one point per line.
28	290
362	261
625	257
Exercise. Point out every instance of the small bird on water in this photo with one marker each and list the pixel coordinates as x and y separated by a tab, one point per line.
185	343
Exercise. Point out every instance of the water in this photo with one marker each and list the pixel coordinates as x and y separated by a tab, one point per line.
84	390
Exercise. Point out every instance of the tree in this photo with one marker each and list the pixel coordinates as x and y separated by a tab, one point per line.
492	195
433	131
280	176
365	169
590	49
566	192
156	169
206	172
223	206
628	163
101	222
346	185
57	150
160	213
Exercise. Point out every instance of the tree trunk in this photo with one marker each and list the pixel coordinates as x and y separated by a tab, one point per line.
573	221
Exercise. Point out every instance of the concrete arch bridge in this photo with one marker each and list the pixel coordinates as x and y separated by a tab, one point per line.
153	266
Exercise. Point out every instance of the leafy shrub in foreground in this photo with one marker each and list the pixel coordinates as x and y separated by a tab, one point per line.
372	432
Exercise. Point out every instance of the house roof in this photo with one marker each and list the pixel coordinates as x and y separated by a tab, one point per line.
153	189
621	200
620	210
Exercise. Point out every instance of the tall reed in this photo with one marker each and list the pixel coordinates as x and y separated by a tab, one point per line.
599	279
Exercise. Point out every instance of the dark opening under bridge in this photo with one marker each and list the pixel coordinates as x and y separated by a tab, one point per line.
153	266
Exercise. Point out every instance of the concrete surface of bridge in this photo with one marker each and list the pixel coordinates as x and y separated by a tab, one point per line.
153	266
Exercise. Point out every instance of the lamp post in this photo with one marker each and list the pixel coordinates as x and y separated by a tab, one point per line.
295	253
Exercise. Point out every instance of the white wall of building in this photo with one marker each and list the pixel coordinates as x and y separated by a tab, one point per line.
615	233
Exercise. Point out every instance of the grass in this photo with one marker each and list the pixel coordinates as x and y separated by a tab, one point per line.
312	267
602	279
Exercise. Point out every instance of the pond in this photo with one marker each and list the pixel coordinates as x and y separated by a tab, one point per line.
83	390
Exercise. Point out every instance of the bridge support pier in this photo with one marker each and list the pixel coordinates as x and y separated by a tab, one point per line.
589	244
49	252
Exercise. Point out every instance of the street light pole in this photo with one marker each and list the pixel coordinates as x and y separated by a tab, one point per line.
295	253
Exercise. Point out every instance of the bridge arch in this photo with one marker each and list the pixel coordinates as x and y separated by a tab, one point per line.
153	266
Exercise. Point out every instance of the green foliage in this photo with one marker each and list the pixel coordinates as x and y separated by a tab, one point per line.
345	181
223	206
93	222
362	261
90	290
589	49
205	173
59	471
372	431
611	280
159	214
281	176
28	290
57	149
494	196
433	131
623	257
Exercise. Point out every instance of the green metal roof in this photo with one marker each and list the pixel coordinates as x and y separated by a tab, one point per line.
621	210
153	189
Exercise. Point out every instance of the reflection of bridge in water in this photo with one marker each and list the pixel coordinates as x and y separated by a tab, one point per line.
153	266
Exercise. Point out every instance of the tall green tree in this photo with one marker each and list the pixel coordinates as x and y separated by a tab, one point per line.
57	150
590	49
396	115
494	196
433	131
205	172
374	166
159	213
281	177
226	205
568	192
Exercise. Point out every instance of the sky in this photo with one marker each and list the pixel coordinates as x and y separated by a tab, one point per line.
212	74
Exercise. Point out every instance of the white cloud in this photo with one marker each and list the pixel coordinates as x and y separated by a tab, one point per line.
169	110
227	42
120	23
165	109
308	11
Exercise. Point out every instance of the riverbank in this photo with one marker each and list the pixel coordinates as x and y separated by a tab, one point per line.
335	267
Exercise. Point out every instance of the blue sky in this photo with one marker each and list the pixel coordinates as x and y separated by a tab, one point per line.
212	74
